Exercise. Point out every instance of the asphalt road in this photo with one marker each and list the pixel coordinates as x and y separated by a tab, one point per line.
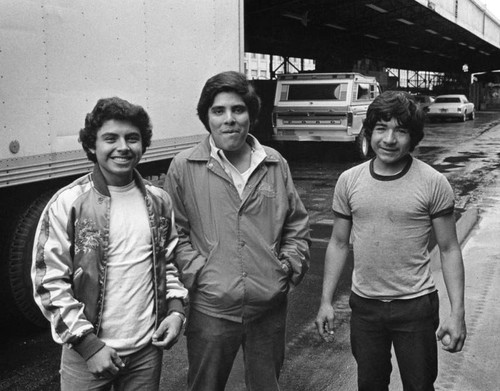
467	153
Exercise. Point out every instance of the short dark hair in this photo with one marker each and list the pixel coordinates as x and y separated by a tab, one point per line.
401	106
229	81
114	109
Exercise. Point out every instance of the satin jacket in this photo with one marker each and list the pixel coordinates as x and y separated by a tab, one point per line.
70	255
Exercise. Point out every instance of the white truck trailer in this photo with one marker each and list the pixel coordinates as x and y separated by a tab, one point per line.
57	58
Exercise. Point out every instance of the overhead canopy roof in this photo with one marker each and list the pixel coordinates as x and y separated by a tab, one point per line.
401	34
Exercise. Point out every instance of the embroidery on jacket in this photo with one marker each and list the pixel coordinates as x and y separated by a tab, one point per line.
163	231
266	190
88	236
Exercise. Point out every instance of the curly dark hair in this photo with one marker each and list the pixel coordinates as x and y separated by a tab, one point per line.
114	109
229	81
400	105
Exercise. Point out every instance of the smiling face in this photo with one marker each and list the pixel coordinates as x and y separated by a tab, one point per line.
118	149
391	143
229	122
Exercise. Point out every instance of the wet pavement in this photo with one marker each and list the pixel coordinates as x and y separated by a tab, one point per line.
468	154
471	163
477	367
472	169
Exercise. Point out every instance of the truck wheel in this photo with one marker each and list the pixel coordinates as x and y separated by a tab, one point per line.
464	117
20	259
362	146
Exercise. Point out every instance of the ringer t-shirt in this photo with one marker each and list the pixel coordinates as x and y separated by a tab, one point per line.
391	225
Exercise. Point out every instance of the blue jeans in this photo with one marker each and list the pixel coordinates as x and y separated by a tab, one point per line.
142	372
213	343
409	325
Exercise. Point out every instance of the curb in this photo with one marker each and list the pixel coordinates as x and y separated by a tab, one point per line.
465	224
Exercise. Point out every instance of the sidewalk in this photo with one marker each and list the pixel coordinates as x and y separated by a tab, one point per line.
477	367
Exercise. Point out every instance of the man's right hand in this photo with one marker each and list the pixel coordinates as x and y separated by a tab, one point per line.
105	363
324	321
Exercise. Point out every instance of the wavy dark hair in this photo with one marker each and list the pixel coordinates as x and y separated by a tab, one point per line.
229	81
114	109
400	105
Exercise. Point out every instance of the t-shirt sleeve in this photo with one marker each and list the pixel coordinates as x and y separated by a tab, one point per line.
443	198
341	206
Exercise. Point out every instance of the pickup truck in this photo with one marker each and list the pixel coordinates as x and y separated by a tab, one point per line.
324	107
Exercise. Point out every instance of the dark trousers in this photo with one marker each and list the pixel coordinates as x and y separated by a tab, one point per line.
213	343
409	325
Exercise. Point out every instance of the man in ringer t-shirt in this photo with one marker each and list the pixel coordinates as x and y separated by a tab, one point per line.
389	205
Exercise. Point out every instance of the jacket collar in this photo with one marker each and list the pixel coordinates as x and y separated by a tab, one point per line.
201	152
102	187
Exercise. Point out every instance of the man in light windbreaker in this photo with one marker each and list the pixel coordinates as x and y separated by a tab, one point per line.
102	261
243	240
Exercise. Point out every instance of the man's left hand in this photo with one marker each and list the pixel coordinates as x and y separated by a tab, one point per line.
168	332
452	333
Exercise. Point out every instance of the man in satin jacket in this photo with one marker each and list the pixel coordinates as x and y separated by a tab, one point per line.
102	270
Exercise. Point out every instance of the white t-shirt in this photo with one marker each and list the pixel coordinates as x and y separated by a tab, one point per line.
392	220
128	319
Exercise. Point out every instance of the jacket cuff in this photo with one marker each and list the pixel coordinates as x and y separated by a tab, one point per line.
176	305
88	346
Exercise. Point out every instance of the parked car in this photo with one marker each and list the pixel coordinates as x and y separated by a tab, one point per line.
452	106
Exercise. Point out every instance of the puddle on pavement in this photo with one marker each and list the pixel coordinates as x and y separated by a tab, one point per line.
424	150
322	185
446	167
466	156
467	188
321	231
453	162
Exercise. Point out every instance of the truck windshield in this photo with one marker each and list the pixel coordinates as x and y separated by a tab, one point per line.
311	92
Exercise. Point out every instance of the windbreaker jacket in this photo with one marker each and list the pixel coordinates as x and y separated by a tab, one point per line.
70	256
237	256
